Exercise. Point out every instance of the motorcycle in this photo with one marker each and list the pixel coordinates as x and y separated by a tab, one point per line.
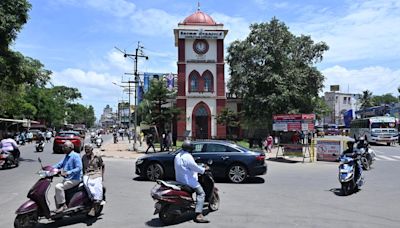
350	176
92	139
99	142
367	156
7	159
173	198
40	146
77	199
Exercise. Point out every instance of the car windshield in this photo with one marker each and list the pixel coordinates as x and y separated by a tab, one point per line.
67	134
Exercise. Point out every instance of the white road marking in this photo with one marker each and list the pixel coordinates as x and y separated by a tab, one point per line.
383	157
396	156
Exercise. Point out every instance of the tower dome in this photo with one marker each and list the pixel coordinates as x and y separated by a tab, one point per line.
199	18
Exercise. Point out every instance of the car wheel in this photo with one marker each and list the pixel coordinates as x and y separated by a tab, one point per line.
237	173
154	171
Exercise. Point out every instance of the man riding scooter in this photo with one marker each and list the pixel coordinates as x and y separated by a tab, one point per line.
186	171
71	170
9	145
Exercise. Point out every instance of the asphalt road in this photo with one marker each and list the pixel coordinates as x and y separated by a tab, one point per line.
289	195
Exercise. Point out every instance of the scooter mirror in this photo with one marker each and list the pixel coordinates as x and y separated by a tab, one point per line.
209	162
40	161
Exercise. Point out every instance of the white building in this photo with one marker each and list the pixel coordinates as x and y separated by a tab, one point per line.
339	103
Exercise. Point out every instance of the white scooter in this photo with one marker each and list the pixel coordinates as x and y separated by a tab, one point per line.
99	141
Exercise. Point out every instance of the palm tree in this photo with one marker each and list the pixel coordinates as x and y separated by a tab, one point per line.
366	99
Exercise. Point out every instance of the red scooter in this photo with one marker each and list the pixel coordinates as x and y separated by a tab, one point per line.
77	199
174	199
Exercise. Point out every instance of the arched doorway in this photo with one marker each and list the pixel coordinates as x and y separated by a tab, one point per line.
201	124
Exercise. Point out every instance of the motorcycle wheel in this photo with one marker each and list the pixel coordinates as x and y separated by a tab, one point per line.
365	163
166	217
346	188
214	202
26	220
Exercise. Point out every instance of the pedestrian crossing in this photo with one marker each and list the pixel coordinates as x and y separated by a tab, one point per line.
387	157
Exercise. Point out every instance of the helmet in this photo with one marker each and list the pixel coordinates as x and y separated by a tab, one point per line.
187	146
89	147
68	144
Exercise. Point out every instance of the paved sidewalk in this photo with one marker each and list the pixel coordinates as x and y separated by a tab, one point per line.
122	149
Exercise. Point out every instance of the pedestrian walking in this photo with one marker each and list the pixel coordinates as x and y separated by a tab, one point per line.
150	143
268	143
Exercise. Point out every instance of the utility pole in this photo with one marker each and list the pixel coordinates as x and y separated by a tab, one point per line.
138	54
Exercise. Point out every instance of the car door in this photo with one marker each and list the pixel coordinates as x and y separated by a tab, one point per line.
222	156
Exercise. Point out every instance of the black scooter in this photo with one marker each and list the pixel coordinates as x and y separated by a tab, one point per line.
40	146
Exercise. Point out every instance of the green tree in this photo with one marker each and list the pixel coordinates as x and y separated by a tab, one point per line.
155	108
273	71
79	114
321	109
230	119
384	99
366	99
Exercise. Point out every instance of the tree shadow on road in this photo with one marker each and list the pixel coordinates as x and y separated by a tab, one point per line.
249	180
283	160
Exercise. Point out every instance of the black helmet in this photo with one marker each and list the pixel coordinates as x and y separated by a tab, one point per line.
187	146
9	135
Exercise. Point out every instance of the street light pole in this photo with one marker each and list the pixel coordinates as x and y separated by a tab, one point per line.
136	55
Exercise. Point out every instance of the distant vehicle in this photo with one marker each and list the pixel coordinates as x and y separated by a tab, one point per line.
81	131
377	129
331	129
230	161
72	136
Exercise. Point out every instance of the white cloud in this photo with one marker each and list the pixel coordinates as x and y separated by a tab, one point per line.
118	8
377	79
152	22
366	30
238	27
96	88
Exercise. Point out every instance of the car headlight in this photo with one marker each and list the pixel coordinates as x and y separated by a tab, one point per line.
139	161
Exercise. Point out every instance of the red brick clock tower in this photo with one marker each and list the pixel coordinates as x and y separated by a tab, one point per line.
201	80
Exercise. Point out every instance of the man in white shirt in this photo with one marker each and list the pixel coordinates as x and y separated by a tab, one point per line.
186	172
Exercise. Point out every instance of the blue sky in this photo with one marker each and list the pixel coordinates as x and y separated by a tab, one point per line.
76	38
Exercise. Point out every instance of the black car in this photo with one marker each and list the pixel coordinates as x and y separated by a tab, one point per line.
230	161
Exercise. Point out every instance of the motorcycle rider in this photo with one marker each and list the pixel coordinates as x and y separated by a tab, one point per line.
362	143
8	144
93	176
71	170
351	152
186	171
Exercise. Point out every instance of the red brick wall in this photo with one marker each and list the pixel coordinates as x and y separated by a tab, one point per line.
181	68
181	123
221	129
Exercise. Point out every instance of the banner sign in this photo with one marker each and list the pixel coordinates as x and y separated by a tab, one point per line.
295	150
293	122
326	149
201	34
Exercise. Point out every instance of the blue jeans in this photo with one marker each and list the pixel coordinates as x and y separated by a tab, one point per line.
200	197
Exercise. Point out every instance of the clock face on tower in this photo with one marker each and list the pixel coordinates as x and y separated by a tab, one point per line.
200	46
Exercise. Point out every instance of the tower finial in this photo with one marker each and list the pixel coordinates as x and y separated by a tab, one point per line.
198	5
